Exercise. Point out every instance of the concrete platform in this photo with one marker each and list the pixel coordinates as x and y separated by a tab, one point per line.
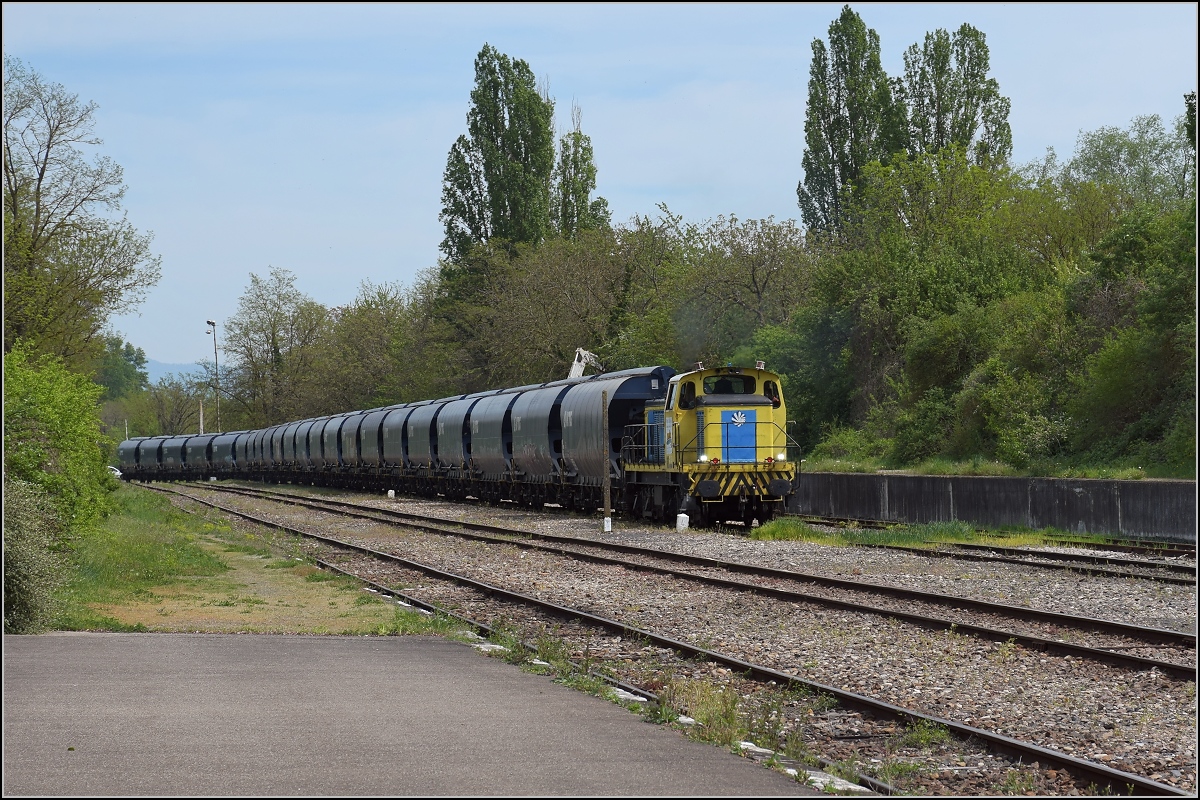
198	714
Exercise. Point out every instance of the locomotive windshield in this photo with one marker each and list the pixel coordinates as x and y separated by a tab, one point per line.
729	384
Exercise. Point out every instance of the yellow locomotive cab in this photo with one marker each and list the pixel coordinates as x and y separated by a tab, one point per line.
721	435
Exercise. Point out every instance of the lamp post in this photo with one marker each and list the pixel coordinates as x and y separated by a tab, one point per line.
216	372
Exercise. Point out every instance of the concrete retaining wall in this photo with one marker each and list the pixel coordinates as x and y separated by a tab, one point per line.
1148	508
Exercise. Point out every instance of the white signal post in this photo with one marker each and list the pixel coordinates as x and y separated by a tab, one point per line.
607	463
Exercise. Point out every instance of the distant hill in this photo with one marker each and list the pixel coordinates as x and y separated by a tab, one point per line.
157	369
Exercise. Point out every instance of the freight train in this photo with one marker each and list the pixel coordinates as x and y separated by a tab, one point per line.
710	443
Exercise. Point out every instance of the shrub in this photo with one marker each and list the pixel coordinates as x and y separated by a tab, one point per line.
33	566
921	430
52	435
846	442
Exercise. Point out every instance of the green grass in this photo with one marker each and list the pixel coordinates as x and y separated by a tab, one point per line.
843	465
979	466
789	529
145	543
925	535
409	622
974	466
924	734
715	709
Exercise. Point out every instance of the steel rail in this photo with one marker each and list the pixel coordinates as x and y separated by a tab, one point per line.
1151	635
1110	573
1148	544
1172	549
1080	557
1115	779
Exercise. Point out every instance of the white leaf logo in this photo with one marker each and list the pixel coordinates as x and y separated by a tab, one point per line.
739	419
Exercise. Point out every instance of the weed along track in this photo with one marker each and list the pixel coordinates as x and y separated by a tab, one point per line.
927	711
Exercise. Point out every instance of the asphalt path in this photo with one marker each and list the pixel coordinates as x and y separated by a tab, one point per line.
88	714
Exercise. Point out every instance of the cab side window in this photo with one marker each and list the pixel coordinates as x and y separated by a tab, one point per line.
687	395
772	393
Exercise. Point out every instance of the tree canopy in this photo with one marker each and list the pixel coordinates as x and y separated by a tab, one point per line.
852	119
497	179
69	262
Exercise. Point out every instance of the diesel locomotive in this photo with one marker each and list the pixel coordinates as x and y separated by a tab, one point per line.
710	443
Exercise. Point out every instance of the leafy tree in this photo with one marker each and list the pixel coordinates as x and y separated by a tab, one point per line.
928	235
131	415
366	358
641	327
1060	216
1137	393
1146	164
1189	119
466	207
556	298
270	350
1011	402
497	179
433	351
52	436
950	99
572	207
175	403
67	268
852	119
812	354
741	275
122	368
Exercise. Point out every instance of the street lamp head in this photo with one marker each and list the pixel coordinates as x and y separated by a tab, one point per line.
210	322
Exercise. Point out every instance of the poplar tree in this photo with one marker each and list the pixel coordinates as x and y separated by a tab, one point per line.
950	99
572	207
497	179
853	118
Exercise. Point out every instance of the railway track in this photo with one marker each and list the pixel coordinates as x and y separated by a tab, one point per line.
1158	548
1184	575
1169	564
1112	645
875	709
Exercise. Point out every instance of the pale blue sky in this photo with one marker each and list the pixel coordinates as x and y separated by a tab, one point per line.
313	136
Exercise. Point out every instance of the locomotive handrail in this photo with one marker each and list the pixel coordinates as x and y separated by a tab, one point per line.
637	447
